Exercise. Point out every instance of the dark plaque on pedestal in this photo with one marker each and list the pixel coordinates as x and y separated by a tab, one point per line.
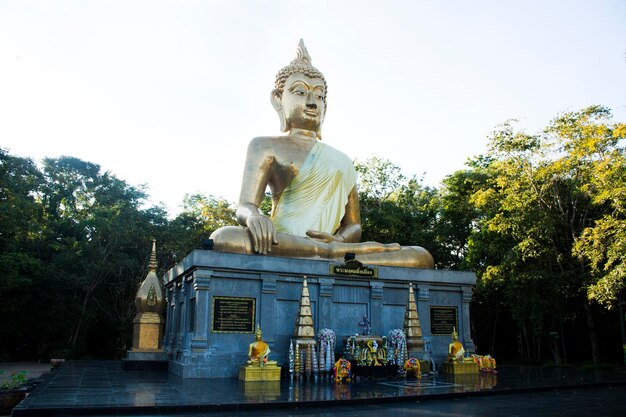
353	268
443	320
233	314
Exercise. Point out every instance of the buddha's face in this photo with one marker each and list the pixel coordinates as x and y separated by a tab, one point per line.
301	105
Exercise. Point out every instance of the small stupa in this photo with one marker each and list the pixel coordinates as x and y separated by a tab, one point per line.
148	323
412	327
147	352
304	335
304	321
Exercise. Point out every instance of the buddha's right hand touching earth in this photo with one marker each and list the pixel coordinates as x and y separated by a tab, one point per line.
263	233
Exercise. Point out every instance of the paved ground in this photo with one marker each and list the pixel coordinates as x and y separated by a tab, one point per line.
588	402
102	388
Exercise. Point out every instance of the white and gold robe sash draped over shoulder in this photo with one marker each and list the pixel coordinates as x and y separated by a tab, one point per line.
316	198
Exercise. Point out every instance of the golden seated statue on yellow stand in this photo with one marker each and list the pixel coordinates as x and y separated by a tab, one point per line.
457	362
258	367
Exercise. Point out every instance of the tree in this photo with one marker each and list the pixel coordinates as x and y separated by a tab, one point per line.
539	202
201	216
98	236
21	245
603	245
457	217
395	208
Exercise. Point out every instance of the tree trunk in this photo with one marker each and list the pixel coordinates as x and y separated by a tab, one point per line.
562	339
593	337
79	326
537	341
495	327
554	348
528	351
621	326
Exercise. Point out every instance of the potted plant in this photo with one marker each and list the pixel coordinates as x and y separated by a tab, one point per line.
11	391
58	357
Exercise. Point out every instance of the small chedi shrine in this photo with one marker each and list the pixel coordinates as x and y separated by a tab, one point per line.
147	349
304	361
381	304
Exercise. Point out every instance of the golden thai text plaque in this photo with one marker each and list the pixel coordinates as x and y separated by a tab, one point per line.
443	320
353	269
233	314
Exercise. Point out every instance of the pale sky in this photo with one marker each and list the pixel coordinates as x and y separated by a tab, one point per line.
169	94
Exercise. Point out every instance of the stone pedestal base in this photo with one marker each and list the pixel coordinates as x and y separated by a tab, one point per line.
259	373
147	331
415	344
459	368
374	372
145	360
303	361
197	350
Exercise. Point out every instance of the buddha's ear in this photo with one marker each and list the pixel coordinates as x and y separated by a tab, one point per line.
278	106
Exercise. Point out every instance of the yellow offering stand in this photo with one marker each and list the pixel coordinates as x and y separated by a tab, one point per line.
460	368
259	373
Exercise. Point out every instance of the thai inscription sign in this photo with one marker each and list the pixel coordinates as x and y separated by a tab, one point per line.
233	314
443	319
354	268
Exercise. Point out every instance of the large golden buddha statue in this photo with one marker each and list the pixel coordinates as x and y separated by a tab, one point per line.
315	211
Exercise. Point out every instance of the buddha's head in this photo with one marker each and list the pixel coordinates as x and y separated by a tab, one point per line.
455	335
300	94
257	333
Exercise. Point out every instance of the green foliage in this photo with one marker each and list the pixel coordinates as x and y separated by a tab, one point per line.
75	244
603	244
267	206
379	178
15	380
395	208
200	217
549	202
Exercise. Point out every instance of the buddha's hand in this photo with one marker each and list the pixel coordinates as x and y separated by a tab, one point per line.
263	233
323	236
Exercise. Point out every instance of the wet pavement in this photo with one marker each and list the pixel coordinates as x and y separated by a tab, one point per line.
102	388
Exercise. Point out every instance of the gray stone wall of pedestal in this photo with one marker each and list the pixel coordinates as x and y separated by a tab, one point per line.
337	302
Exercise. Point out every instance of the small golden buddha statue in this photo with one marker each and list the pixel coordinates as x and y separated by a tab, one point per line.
259	350
456	351
315	205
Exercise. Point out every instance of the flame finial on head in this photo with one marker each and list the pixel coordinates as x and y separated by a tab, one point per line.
302	54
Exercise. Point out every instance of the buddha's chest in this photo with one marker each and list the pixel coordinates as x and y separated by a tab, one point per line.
289	161
284	171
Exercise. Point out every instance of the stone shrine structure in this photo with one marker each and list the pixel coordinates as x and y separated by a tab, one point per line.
215	301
